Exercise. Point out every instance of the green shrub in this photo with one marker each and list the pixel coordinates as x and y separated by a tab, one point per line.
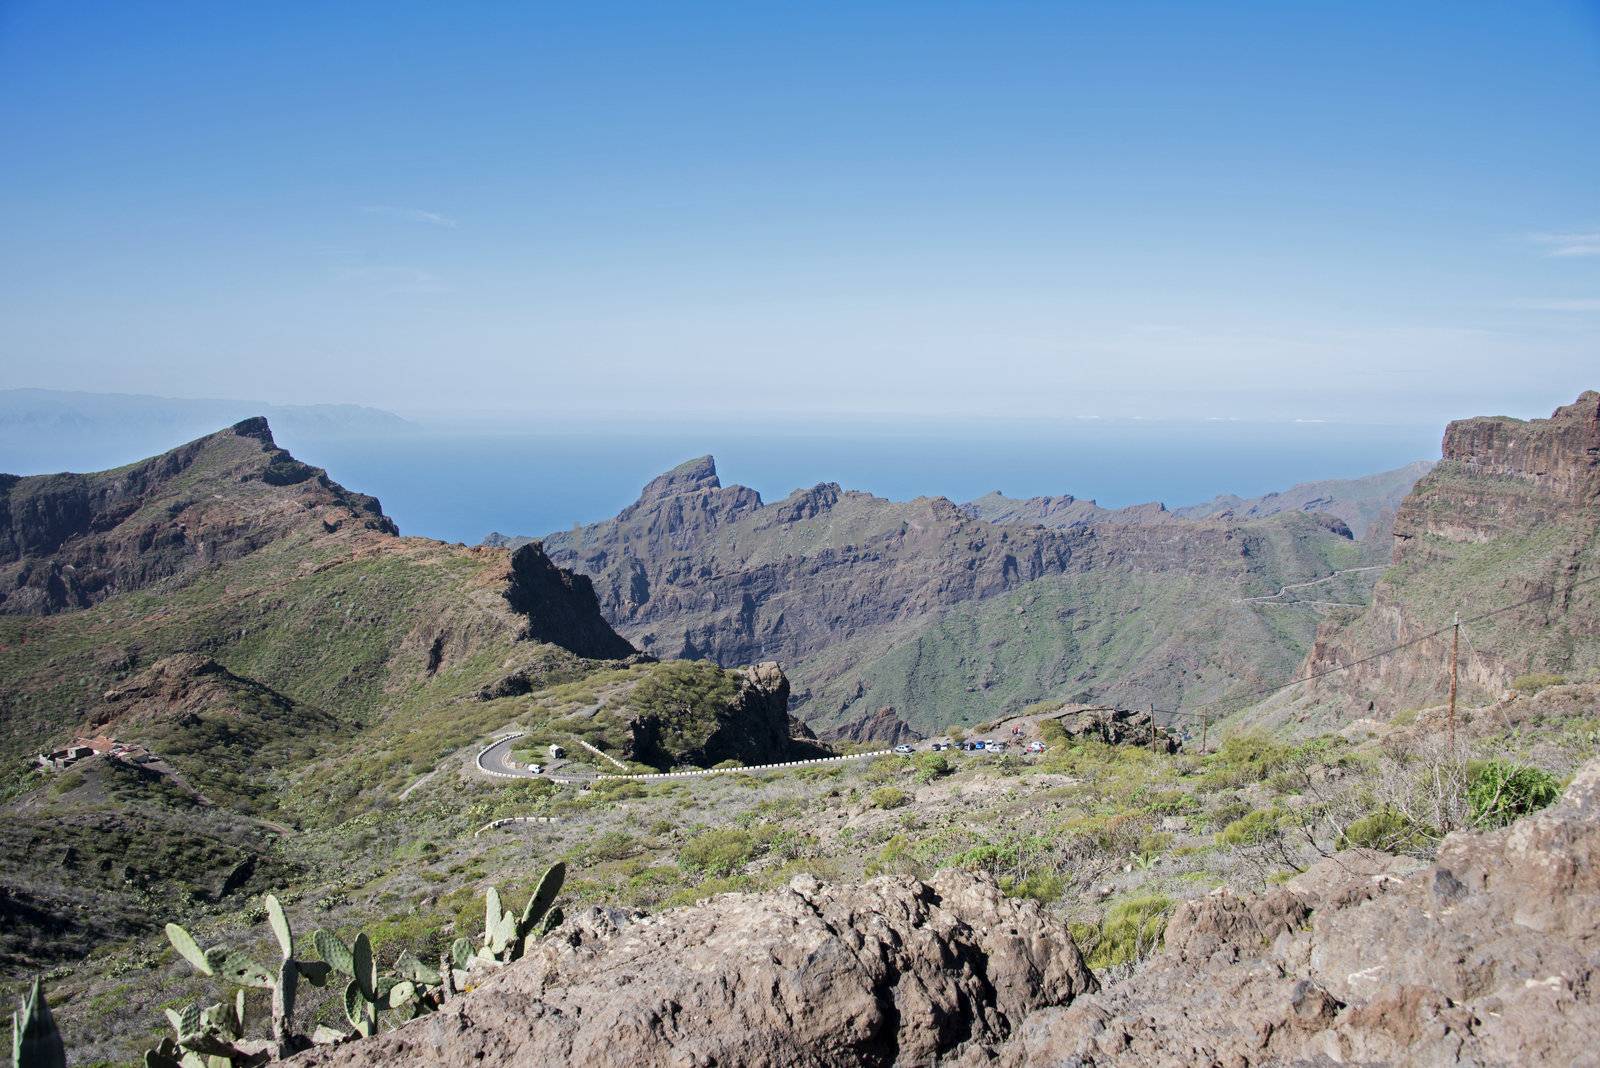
1245	758
1256	827
887	769
889	797
931	766
1499	792
720	852
1131	930
1225	812
1387	829
1155	842
894	856
1531	684
1171	803
1039	885
787	844
612	845
710	888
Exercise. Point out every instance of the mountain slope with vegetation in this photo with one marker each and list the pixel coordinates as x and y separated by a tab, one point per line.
946	618
285	661
317	705
1508	523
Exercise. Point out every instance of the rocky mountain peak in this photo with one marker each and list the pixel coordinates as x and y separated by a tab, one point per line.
255	427
688	477
807	503
70	540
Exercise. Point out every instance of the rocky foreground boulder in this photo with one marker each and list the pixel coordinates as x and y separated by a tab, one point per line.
896	971
1490	956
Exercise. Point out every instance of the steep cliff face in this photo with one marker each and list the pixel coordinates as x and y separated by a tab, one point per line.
1511	514
560	607
69	541
872	602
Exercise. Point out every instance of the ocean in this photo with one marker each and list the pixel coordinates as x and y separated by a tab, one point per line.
459	485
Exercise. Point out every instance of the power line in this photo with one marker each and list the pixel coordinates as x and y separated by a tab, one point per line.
1279	688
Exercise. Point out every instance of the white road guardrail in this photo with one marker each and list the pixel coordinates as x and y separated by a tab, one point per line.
667	774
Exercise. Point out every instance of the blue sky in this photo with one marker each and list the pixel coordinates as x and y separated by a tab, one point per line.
1315	211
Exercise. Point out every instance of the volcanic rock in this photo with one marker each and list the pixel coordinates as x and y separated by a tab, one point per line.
1488	956
896	971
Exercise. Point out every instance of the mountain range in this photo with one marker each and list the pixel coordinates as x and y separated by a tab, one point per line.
292	661
951	614
302	696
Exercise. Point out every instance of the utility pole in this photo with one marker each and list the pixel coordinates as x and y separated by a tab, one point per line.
1152	727
1455	662
1205	721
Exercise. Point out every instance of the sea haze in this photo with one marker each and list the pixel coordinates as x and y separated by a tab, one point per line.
460	482
460	485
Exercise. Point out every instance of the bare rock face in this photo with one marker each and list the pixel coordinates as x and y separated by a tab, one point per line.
884	725
560	607
1488	956
895	971
1560	455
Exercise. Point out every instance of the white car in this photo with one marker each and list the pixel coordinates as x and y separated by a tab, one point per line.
537	769
903	749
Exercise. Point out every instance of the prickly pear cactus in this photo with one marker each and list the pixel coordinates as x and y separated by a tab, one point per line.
214	1037
505	934
35	1041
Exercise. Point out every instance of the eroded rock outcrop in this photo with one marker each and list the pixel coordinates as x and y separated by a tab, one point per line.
1488	956
896	971
560	607
752	726
884	725
1117	726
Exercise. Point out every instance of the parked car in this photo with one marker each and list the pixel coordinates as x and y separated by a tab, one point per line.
1036	747
979	743
997	747
537	769
903	749
939	747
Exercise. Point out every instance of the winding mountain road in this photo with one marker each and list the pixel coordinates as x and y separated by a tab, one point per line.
1273	598
495	759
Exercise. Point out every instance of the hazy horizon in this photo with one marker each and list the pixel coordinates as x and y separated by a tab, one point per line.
1357	213
458	480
